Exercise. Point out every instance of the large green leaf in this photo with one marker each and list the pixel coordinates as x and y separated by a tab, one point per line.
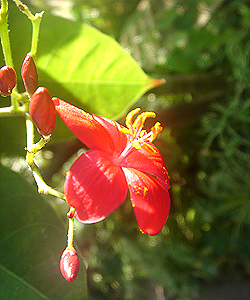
90	65
32	239
80	64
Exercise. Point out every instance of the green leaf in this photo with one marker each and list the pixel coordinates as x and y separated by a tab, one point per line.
32	240
80	64
91	66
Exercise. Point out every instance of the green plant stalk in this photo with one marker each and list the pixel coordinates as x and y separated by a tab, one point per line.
71	229
24	8
30	136
32	149
5	40
35	20
9	112
35	33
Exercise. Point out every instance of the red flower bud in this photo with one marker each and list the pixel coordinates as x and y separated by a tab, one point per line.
29	74
69	264
42	111
7	80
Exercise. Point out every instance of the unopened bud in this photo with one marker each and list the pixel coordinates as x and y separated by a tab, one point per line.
69	264
42	111
29	74
7	80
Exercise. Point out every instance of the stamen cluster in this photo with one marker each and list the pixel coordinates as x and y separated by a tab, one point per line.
135	129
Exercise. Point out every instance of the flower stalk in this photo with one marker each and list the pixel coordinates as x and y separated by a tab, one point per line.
35	20
69	262
32	149
5	40
71	218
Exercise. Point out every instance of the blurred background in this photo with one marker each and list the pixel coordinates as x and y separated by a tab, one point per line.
202	49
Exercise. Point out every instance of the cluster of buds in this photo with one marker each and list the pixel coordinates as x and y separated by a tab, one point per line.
7	80
41	107
43	113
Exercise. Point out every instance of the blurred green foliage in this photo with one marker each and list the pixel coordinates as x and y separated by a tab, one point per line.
202	49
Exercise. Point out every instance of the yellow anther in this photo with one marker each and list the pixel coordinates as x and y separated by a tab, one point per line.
141	136
140	120
155	130
129	118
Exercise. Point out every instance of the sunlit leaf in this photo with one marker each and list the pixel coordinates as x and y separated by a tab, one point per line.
98	73
80	64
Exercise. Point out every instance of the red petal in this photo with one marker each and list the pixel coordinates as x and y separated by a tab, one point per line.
148	160
119	139
95	186
151	202
84	126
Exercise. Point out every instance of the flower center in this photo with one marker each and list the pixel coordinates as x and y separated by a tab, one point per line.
140	136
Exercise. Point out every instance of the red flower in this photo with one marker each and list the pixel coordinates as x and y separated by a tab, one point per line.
120	158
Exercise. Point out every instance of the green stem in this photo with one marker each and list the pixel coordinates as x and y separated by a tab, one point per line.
5	40
43	188
24	8
32	149
10	112
35	34
71	228
30	138
36	20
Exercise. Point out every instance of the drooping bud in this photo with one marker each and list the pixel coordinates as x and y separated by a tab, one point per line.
7	80
29	74
69	264
42	111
